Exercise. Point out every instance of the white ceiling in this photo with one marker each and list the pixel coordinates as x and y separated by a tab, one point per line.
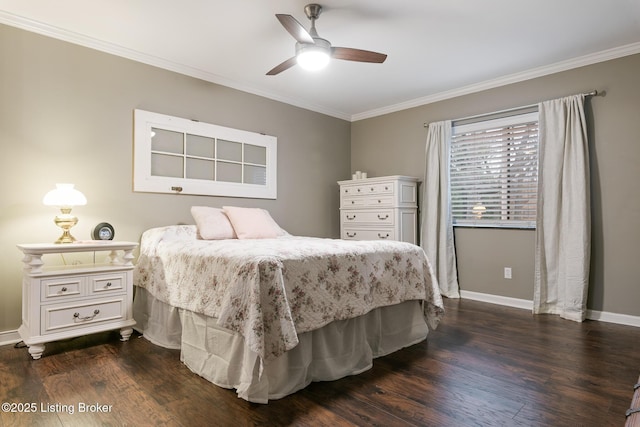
437	48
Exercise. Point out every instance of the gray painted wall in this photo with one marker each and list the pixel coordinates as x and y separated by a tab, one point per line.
394	144
66	115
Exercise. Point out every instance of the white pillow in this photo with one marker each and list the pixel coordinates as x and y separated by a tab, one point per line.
212	223
252	223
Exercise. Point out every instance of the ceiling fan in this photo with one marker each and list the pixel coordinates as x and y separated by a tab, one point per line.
312	51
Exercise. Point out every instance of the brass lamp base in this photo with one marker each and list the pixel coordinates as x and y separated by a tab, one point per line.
66	238
65	221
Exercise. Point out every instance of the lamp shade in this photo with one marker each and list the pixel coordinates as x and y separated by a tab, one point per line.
64	195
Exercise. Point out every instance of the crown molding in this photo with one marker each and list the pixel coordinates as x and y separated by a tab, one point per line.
581	61
100	45
82	40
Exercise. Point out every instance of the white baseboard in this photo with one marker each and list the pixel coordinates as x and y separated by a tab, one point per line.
9	337
623	319
497	299
603	316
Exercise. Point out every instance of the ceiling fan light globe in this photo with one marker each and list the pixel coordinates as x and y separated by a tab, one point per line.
313	56
313	59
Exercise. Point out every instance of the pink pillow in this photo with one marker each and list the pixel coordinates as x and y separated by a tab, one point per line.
252	223
212	223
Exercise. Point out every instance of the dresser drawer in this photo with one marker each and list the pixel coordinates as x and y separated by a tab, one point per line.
367	202
377	217
368	189
61	288
368	234
59	317
106	283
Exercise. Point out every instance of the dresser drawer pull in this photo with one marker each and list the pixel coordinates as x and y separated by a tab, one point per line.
351	218
64	289
386	236
382	218
353	202
372	189
108	285
358	190
77	318
351	235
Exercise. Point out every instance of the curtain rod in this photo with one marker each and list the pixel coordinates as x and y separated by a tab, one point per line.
592	93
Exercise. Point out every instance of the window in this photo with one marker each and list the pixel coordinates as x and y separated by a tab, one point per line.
174	155
494	172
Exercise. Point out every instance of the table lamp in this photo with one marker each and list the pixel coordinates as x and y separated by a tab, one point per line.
65	197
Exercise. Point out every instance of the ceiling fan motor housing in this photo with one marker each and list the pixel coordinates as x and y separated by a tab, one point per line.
312	10
319	45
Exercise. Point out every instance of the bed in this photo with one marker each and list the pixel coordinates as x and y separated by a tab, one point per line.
269	316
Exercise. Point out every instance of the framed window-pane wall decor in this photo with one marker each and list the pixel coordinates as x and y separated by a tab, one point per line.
172	155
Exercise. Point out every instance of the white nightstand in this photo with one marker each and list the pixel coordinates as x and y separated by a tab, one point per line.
60	302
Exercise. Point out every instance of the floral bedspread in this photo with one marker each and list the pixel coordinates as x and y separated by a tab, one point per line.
271	290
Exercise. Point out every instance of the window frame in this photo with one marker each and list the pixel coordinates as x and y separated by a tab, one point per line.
145	181
492	122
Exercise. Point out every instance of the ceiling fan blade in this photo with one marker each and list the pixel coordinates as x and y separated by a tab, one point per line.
349	54
294	28
282	67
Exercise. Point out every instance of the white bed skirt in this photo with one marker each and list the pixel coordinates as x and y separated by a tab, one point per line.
341	348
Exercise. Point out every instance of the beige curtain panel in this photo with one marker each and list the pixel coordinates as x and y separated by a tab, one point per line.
563	225
437	224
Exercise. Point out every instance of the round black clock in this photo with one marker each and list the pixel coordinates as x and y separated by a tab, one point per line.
103	231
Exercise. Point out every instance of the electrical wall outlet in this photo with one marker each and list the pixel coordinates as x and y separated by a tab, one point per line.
507	272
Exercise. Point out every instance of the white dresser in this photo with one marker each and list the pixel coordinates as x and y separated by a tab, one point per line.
379	208
66	301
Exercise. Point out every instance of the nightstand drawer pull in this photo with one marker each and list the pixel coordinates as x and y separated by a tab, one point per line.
351	217
382	218
351	234
77	318
386	236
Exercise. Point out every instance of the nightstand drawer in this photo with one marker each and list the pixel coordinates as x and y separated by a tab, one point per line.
59	288
106	283
56	318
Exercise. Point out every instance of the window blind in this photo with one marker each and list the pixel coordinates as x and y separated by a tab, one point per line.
494	172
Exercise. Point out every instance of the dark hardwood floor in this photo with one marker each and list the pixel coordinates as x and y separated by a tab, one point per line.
485	365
